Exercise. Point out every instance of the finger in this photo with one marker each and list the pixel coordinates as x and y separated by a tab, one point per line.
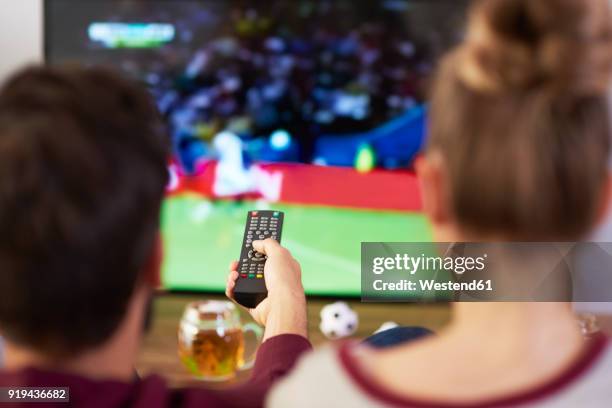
268	246
229	291
231	279
230	284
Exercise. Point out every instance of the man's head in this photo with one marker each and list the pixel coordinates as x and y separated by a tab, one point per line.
82	175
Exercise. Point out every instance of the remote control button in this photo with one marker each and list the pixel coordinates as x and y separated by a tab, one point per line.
259	276
262	236
251	275
259	259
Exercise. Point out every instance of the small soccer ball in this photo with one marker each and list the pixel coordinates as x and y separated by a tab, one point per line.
338	320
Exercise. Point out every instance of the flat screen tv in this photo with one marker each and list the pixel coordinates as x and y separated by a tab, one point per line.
312	107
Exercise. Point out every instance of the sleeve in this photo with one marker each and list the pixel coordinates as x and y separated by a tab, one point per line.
275	358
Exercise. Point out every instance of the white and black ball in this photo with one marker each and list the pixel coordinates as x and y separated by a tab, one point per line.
338	320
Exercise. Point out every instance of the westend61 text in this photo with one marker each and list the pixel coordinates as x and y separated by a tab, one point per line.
430	284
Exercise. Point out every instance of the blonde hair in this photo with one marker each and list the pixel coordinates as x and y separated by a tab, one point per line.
519	113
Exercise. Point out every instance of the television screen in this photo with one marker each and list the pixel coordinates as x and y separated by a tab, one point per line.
312	107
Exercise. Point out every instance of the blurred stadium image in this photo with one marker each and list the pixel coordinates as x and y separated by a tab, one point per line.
316	108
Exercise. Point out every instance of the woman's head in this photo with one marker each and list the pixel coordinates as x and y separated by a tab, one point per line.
519	133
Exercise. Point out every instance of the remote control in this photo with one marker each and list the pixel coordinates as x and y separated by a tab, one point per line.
250	286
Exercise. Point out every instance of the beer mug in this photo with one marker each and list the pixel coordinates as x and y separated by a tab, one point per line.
211	340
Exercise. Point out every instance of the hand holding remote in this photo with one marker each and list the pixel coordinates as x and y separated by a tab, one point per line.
284	310
282	272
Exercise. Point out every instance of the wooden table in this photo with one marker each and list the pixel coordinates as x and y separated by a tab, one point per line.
159	352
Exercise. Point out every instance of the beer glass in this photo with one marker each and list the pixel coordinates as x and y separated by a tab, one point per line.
211	340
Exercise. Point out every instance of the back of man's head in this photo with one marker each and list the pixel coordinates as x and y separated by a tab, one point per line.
82	175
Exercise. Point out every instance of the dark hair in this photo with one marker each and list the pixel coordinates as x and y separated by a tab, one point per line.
82	176
519	114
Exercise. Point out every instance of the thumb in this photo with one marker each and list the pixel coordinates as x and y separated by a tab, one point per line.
267	246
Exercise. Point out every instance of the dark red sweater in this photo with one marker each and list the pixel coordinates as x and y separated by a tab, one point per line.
275	358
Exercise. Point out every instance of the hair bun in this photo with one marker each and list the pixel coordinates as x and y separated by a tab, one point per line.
565	45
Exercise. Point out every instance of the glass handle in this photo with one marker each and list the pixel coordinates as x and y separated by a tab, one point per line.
257	330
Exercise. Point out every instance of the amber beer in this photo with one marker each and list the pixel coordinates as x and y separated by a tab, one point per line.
211	340
210	354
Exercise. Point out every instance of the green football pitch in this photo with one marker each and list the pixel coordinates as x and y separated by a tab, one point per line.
201	237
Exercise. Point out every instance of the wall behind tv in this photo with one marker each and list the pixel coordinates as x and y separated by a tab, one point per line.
21	34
